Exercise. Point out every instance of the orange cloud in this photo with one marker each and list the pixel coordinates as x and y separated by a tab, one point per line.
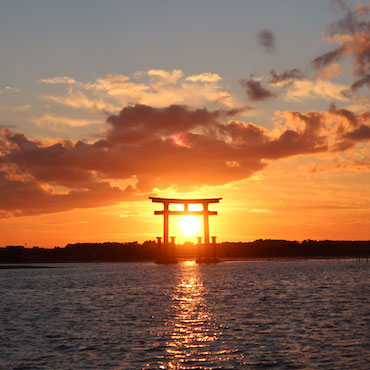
174	146
333	70
57	122
320	88
58	80
15	108
205	77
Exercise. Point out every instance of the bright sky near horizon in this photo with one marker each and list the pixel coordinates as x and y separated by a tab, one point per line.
263	103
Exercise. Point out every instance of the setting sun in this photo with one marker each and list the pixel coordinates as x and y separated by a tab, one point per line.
189	225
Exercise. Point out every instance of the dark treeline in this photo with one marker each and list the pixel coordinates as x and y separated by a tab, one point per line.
293	249
89	252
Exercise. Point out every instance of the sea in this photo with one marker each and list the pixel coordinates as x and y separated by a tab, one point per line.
305	314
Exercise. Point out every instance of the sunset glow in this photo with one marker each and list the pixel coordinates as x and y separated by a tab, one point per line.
274	121
189	225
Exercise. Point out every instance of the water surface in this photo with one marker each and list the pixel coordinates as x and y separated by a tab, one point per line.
231	315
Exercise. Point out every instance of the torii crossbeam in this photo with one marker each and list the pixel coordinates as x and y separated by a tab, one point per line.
205	212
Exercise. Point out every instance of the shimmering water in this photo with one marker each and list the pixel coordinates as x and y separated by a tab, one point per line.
231	315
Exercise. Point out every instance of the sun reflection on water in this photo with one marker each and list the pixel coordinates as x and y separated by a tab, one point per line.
193	330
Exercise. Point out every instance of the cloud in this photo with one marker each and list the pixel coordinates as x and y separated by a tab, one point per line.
204	77
316	89
155	87
364	81
291	85
9	89
352	33
116	85
286	76
267	39
352	160
22	198
147	147
255	90
78	99
361	133
58	80
15	108
52	121
140	122
351	117
333	70
166	76
32	172
165	129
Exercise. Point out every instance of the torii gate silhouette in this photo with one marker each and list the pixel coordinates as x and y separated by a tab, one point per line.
205	212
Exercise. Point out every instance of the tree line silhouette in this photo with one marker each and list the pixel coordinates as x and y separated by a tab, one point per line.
133	251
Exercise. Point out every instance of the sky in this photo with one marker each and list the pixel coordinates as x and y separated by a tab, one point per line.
262	103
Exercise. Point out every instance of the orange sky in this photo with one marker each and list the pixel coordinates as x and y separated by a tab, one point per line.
274	204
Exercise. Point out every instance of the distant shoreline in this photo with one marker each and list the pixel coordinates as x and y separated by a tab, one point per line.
259	250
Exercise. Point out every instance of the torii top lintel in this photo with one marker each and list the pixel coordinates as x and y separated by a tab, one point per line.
185	201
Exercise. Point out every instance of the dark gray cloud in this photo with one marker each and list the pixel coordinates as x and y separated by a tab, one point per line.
256	91
267	39
288	75
358	84
352	21
327	58
364	81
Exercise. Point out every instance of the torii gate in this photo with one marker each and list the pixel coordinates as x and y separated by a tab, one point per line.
205	212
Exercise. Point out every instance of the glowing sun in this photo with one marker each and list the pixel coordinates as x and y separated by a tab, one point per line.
189	225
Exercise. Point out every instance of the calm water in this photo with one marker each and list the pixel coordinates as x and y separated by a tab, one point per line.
232	315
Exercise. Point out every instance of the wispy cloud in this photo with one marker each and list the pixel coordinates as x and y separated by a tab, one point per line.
154	87
58	80
314	89
205	77
9	89
15	108
53	121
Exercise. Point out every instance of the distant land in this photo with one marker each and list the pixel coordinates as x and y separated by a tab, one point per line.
133	251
